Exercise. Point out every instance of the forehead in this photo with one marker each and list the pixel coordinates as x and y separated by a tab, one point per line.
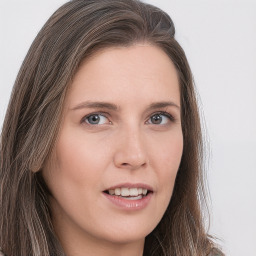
133	73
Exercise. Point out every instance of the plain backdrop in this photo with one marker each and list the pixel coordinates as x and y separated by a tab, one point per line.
219	38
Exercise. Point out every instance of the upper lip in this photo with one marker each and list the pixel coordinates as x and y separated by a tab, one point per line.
131	185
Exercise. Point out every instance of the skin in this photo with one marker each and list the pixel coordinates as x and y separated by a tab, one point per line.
127	145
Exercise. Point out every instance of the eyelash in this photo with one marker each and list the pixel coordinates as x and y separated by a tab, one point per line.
163	113
84	119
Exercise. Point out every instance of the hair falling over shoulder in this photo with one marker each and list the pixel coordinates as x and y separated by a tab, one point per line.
73	33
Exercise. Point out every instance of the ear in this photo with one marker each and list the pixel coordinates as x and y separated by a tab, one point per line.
35	167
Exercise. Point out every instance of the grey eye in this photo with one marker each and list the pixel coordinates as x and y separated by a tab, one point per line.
156	119
96	119
160	119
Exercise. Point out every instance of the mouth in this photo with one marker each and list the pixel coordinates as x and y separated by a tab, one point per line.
129	193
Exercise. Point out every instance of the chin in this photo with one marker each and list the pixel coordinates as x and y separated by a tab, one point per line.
126	238
131	233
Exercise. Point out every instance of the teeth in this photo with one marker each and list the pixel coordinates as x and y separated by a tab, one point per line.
125	192
117	191
132	192
134	197
111	191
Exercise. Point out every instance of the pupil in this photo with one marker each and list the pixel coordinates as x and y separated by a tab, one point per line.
94	119
156	119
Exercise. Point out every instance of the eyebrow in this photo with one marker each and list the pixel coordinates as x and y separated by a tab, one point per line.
163	104
97	104
110	106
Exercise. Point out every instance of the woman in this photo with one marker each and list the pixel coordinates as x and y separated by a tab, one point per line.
101	148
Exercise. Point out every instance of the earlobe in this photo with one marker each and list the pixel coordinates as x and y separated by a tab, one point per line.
35	167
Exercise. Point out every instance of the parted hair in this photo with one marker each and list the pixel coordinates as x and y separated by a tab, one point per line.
73	33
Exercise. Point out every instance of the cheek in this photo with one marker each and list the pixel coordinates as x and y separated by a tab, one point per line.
167	161
76	158
74	172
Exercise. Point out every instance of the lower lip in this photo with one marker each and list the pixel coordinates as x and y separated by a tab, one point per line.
129	204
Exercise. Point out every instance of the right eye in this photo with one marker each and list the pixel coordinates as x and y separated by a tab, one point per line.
96	119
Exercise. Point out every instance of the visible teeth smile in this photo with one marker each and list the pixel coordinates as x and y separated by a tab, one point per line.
133	193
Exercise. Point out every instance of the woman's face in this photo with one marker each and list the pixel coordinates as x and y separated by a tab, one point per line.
121	133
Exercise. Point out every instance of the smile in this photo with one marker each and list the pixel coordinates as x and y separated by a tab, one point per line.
129	193
129	197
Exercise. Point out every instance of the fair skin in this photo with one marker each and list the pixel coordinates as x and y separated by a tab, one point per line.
121	129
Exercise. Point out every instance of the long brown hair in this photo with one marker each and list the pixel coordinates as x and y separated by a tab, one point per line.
73	33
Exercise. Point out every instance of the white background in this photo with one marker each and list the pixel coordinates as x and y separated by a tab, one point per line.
219	38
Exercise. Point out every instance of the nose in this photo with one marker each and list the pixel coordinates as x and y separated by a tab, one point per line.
130	151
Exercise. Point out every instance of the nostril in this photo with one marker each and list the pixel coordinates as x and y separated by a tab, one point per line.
131	160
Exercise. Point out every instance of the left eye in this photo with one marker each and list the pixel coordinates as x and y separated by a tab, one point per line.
96	119
159	119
